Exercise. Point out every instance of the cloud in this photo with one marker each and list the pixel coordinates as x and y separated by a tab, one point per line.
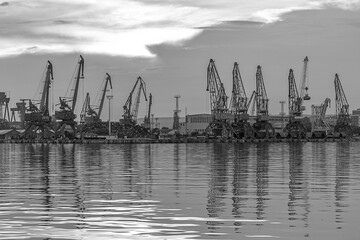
128	28
4	4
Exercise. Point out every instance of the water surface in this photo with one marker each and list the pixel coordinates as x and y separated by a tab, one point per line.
180	191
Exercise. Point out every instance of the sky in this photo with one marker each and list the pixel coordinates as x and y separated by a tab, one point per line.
169	44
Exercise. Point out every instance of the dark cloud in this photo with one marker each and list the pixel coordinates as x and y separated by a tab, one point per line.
64	22
329	37
4	4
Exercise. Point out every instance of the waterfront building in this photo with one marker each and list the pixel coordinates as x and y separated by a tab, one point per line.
195	123
355	118
9	134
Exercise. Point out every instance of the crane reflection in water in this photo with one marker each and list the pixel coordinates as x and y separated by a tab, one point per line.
298	205
186	191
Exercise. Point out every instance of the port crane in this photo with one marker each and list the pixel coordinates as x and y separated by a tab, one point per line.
239	106
295	128
128	125
262	127
91	114
130	110
66	115
37	116
321	128
342	127
219	125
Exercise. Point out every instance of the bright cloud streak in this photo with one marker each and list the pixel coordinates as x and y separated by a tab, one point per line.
125	27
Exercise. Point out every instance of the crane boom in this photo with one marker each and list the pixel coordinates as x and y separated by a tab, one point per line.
324	107
130	111
251	100
44	102
218	98
141	89
66	113
261	96
85	108
295	101
238	102
304	81
342	105
79	75
343	121
107	81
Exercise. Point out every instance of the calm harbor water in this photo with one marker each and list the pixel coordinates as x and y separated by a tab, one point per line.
180	191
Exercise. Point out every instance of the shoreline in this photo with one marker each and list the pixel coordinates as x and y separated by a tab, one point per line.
167	141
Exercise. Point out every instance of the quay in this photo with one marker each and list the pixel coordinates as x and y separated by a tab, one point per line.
164	141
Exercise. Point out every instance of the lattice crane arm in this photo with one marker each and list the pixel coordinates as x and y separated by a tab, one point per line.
261	96
79	75
324	107
304	81
342	105
85	107
130	112
44	102
141	89
295	101
218	98
238	102
102	99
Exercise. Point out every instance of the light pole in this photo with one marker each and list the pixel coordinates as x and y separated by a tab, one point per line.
109	97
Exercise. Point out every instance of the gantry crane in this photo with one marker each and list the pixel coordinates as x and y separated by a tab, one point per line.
92	113
37	118
262	127
66	115
295	128
342	127
219	125
321	128
239	106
